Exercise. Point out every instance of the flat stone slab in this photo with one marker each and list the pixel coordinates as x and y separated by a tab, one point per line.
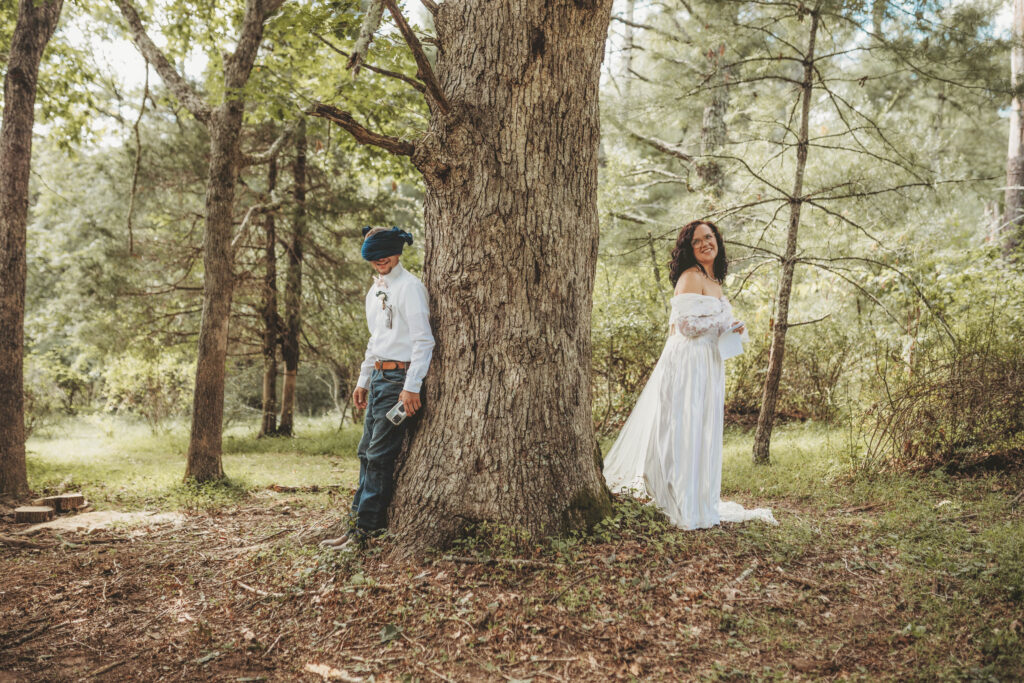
87	521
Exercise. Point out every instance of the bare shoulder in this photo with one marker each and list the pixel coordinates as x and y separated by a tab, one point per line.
690	282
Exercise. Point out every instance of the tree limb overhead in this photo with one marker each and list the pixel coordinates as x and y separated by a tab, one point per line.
360	133
425	73
185	93
269	153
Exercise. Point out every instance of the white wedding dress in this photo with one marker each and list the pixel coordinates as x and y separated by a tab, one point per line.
670	448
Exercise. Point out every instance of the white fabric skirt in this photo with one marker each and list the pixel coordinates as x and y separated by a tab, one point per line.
670	449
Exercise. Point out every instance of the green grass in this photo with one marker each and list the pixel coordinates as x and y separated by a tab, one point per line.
121	464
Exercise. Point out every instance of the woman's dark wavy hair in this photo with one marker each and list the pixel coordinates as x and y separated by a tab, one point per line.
683	258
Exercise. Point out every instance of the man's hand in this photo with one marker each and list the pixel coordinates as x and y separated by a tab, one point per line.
411	401
359	397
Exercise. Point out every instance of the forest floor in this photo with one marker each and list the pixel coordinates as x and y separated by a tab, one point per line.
891	577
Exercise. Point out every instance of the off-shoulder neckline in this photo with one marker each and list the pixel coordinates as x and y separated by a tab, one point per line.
706	296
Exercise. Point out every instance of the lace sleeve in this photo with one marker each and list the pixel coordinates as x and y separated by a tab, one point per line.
697	325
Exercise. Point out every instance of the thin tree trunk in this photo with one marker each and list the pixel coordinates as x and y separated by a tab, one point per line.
511	247
878	10
713	130
204	450
268	426
766	418
1013	213
628	49
293	286
35	25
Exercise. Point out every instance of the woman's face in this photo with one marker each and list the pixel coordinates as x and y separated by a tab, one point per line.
705	246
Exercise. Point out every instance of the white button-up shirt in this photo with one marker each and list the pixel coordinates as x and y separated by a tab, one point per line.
401	295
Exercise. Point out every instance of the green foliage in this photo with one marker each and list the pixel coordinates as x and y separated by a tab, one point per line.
630	323
156	389
818	358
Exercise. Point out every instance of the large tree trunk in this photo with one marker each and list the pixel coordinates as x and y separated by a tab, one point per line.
268	425
769	399
225	125
511	246
293	286
1013	213
35	25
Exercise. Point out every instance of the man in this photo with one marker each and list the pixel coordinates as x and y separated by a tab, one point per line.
397	358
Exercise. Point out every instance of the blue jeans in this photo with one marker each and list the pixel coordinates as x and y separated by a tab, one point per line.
381	442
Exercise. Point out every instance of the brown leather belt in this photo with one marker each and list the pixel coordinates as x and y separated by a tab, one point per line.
390	365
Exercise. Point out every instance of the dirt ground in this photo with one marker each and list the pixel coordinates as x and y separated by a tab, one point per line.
243	594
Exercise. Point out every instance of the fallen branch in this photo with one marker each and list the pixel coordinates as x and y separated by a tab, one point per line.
104	669
15	542
257	591
276	641
746	572
31	634
803	582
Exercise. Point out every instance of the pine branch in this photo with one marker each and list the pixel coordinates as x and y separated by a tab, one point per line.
362	135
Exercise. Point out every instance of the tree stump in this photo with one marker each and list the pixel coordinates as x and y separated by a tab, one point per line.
33	514
65	502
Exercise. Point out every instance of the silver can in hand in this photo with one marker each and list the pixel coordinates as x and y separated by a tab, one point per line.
397	414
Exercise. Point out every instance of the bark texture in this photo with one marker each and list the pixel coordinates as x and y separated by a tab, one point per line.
511	245
1013	213
293	286
225	125
271	334
35	25
770	397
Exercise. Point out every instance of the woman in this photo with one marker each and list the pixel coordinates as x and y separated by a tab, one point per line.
671	446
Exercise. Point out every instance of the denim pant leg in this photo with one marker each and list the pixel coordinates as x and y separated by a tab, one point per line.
377	460
361	452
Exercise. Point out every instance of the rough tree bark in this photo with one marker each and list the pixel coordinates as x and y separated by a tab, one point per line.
271	332
224	123
770	396
1013	213
510	168
293	286
35	25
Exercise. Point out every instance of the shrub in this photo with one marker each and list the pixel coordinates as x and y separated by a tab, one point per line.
816	362
155	389
952	403
52	388
630	326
